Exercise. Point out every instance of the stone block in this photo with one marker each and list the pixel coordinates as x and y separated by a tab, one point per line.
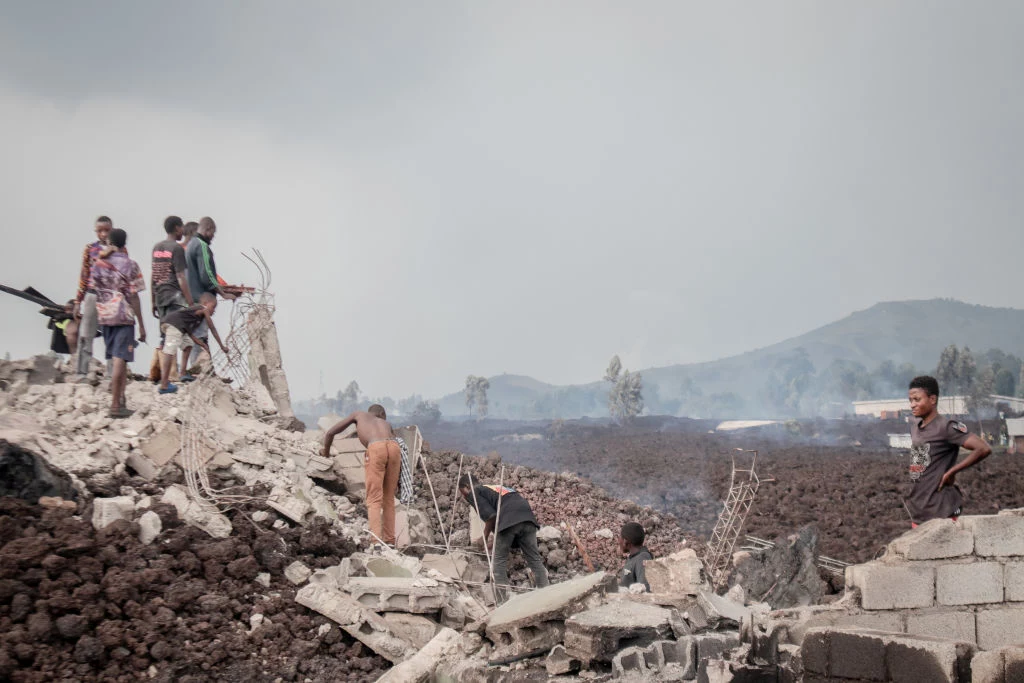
718	608
865	655
988	667
556	601
884	586
1013	582
396	594
942	623
711	645
163	445
997	535
1000	627
1013	664
421	666
679	657
935	539
142	466
194	513
547	534
294	506
106	511
680	572
453	566
297	573
414	629
560	662
149	527
362	624
814	651
599	633
631	663
910	659
969	584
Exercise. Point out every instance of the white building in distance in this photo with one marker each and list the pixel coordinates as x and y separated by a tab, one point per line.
892	407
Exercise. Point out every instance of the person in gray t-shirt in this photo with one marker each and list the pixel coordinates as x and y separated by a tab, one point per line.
631	543
935	445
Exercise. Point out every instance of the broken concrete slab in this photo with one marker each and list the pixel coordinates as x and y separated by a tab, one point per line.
149	527
200	515
679	573
421	666
414	629
719	608
453	565
161	448
382	568
294	506
597	634
360	623
391	594
559	662
106	511
142	466
297	573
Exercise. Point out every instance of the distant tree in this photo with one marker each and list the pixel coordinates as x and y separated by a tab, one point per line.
625	398
904	374
1005	383
966	371
979	394
388	403
346	401
426	412
849	379
947	369
476	394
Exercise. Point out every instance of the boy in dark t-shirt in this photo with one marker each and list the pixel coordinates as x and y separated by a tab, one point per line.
935	445
179	323
631	544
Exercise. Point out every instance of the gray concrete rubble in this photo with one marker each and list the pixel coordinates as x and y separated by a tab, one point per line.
681	573
597	634
785	575
421	666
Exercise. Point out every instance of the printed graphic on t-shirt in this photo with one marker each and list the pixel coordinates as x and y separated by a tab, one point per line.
920	458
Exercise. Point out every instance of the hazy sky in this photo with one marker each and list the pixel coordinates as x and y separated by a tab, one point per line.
530	187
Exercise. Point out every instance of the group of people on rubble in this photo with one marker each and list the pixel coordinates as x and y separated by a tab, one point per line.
184	287
933	494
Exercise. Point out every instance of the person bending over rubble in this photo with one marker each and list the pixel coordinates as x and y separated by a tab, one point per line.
517	527
184	321
631	543
382	462
935	445
117	281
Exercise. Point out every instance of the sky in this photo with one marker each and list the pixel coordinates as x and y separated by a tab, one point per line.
454	188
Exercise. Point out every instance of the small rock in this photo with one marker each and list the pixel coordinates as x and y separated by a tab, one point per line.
604	533
149	527
255	621
297	572
263	579
323	630
260	516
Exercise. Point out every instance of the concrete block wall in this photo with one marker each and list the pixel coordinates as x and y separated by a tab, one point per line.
961	580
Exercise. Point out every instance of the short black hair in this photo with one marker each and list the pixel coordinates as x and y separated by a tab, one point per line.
118	238
171	223
926	382
206	224
377	410
464	481
633	533
105	219
190	228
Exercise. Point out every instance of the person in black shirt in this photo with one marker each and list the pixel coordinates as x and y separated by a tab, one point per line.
631	543
517	527
184	321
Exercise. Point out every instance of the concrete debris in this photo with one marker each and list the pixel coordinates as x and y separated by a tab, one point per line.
297	573
1005	665
106	511
263	579
549	533
149	527
721	609
785	575
560	662
414	629
681	573
200	515
294	506
421	666
390	594
604	533
599	633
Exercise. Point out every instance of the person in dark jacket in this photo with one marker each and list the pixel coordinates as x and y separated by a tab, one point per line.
201	270
631	543
515	526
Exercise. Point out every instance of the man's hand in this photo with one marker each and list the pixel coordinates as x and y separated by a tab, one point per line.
948	479
142	333
224	349
156	313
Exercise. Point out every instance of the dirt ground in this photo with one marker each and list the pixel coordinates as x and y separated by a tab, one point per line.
838	475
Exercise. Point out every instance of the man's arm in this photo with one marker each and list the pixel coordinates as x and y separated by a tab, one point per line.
213	331
639	574
83	282
489	527
979	451
137	309
338	428
199	343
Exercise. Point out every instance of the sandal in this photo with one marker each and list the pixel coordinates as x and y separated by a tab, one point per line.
120	414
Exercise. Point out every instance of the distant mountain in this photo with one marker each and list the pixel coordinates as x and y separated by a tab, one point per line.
912	332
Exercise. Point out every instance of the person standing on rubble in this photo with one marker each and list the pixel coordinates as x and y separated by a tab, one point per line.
84	311
117	281
935	445
169	285
517	527
202	277
382	462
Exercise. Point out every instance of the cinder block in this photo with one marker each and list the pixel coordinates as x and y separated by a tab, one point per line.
814	651
630	663
1013	582
935	539
997	535
987	667
910	659
680	655
713	645
976	583
943	623
1000	627
885	586
856	654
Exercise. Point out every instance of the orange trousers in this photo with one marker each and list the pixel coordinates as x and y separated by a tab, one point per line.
383	465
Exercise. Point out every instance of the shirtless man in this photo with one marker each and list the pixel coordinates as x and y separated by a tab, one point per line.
383	463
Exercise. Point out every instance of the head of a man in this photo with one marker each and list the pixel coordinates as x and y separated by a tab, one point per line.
924	396
189	231
173	227
631	536
377	410
208	301
207	228
117	238
465	486
103	227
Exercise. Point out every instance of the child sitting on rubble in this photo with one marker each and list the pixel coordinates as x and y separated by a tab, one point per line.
631	543
175	325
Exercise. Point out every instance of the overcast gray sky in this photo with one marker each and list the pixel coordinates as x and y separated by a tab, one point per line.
480	187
